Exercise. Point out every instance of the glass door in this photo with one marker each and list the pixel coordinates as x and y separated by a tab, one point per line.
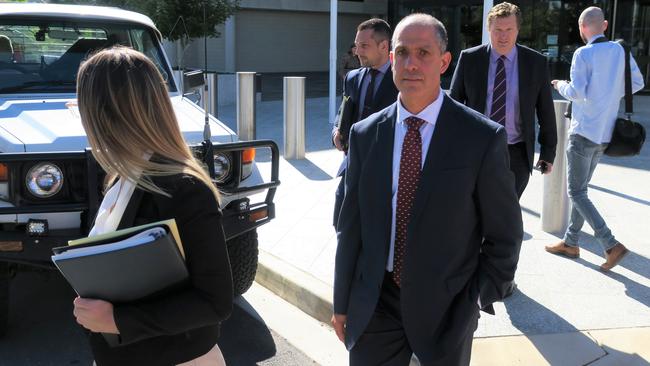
633	25
463	20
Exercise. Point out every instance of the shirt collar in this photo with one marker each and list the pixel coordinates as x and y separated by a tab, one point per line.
510	56
383	68
592	39
428	114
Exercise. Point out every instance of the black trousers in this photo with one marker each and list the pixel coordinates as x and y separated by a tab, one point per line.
384	341
519	166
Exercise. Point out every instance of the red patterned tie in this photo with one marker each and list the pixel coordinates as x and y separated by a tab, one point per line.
410	167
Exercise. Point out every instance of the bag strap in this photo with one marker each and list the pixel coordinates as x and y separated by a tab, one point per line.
629	108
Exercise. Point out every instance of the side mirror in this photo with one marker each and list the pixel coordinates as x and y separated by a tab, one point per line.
192	80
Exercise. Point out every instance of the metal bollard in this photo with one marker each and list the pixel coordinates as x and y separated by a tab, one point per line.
212	93
246	105
556	205
294	117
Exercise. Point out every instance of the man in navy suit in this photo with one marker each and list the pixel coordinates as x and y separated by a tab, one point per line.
369	87
430	228
510	84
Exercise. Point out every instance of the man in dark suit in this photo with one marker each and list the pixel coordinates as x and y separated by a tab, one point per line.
510	83
373	45
428	235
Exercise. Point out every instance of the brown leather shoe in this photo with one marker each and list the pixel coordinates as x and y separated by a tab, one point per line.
615	255
562	249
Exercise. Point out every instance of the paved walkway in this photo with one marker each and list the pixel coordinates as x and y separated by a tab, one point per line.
566	312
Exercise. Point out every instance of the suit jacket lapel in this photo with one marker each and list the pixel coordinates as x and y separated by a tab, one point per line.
382	168
383	89
128	217
525	82
441	140
357	92
362	74
482	69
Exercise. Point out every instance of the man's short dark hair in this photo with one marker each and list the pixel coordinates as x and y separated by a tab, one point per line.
380	29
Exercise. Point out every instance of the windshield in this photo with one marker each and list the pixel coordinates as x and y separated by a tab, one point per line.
44	56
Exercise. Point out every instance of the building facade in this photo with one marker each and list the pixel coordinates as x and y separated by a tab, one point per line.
292	36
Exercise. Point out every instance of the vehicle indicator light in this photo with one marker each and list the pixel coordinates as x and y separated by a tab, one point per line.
258	215
248	156
4	173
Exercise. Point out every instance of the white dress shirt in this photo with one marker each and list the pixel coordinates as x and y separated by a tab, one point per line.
596	88
113	207
430	116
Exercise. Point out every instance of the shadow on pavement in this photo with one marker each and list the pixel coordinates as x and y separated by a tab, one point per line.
621	195
534	320
309	169
242	329
622	358
247	341
42	330
633	261
530	212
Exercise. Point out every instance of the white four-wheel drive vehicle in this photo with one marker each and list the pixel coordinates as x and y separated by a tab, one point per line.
50	186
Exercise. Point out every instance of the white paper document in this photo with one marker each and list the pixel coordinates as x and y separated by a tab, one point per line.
141	238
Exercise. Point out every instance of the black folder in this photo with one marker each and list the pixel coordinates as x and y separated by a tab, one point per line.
344	119
124	274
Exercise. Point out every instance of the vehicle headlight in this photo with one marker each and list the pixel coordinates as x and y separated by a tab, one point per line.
44	180
222	167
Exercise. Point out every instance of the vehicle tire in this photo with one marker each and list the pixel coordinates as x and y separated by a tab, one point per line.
4	297
243	254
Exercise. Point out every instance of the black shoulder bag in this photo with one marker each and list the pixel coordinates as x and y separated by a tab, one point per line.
628	136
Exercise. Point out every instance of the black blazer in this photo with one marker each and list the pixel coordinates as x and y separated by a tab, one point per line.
184	324
463	238
386	92
469	86
385	96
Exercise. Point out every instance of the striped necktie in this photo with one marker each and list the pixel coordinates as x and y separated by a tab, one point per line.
498	111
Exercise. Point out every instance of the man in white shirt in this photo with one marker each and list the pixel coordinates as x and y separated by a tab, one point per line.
430	228
596	88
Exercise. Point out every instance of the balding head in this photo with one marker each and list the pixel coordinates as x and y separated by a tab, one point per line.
426	20
592	22
592	16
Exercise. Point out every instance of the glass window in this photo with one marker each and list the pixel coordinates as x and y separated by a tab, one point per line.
463	21
44	56
632	24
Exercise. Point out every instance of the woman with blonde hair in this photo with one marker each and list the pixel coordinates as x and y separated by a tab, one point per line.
152	176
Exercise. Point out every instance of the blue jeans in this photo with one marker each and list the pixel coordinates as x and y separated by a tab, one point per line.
582	158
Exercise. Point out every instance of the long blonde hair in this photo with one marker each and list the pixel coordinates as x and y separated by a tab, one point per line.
128	117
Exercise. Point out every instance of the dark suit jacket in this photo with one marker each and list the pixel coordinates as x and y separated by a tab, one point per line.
469	86
181	325
385	96
463	237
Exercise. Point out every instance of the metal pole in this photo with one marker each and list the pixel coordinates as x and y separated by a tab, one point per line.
487	5
333	75
246	105
294	117
178	77
556	204
212	93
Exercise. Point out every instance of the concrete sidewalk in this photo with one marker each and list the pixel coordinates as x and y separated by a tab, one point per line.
565	312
